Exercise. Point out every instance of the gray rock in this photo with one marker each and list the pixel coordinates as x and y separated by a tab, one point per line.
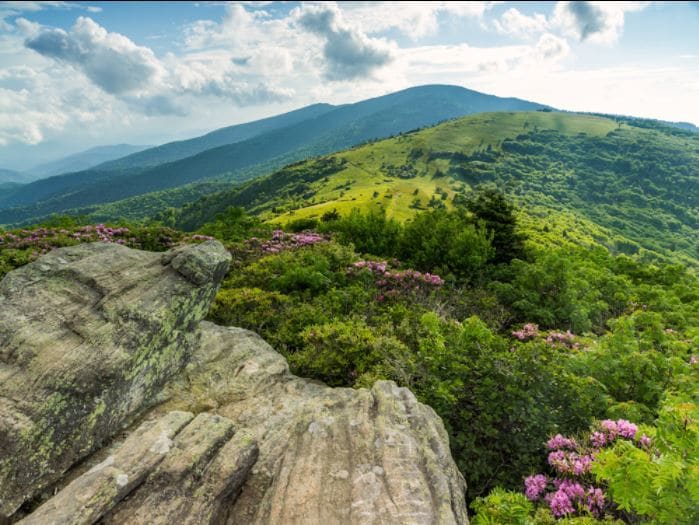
91	495
88	337
167	473
326	455
203	472
91	336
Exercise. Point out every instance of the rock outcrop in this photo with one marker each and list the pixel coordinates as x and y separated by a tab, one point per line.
92	336
327	455
88	337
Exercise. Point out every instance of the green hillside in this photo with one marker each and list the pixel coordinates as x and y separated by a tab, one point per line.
584	178
289	140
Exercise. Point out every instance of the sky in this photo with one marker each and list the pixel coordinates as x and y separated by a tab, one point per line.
74	75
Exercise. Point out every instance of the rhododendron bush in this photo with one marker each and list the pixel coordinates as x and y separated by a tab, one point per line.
616	471
571	489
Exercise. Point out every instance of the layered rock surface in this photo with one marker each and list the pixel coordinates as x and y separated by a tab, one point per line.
88	336
236	438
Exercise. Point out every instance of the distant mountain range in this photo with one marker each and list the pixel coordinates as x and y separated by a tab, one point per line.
256	148
12	177
181	149
76	162
83	160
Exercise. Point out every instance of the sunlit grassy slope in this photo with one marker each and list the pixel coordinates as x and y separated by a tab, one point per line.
364	176
576	178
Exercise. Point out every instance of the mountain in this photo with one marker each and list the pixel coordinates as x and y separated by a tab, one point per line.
83	160
11	176
186	148
329	131
583	178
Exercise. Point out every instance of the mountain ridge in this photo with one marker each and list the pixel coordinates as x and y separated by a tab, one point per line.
83	160
343	126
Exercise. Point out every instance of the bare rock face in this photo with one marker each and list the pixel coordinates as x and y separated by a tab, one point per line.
90	335
326	455
175	469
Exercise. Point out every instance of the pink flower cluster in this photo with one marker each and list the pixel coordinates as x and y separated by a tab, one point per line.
566	338
534	486
378	267
644	441
381	269
559	442
100	232
281	241
571	492
393	282
44	240
571	496
531	331
609	430
527	332
568	462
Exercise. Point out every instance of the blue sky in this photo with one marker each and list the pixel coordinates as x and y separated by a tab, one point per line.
78	74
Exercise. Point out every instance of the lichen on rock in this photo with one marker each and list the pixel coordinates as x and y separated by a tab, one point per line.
88	337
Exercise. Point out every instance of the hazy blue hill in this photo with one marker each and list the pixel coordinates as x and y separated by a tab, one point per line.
84	160
7	176
177	150
664	125
67	184
328	131
8	186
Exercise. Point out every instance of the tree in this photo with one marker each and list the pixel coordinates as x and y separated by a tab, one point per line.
491	207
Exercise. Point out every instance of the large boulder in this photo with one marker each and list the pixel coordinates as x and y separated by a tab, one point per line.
326	455
92	336
88	337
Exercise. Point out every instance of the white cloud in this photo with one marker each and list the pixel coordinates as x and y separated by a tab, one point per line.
121	68
414	19
110	60
515	23
9	9
239	28
35	103
348	52
598	22
27	28
551	48
637	91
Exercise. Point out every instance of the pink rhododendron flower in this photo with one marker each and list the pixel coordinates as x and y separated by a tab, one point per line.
559	442
560	503
535	486
626	428
528	331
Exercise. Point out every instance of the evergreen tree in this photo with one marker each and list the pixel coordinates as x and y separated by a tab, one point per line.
491	207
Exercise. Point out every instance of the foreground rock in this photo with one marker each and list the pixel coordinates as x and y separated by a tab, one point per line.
190	478
88	336
327	455
237	439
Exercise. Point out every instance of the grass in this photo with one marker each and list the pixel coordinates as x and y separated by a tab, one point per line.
363	175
